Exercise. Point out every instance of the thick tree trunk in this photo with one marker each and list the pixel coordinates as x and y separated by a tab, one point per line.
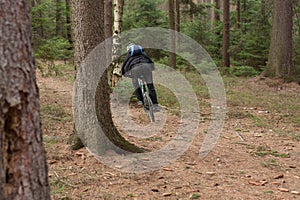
226	34
281	48
23	167
88	18
172	56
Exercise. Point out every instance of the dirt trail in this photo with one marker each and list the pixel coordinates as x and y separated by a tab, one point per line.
245	164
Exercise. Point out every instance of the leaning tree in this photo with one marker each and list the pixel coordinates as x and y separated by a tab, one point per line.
88	26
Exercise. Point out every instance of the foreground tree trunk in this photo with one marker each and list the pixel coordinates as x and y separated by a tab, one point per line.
88	18
23	167
226	34
281	48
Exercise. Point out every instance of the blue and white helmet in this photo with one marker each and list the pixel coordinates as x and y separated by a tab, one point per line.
134	49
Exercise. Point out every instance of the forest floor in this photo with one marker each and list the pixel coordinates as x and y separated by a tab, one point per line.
257	155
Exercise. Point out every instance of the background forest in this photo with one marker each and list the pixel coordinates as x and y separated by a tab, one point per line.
202	20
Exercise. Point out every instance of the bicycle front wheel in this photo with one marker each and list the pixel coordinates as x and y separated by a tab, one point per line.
148	106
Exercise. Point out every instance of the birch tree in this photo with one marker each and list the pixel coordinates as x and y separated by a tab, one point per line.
117	45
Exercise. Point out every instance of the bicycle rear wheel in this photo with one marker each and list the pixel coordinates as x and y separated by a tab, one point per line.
148	106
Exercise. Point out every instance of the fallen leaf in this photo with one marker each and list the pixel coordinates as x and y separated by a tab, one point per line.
279	176
51	162
275	183
263	183
254	183
167	194
283	189
168	169
211	173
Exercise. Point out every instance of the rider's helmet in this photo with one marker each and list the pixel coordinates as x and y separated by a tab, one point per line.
134	49
129	46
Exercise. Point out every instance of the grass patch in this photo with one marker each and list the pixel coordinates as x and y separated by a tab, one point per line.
264	151
57	187
269	192
195	196
53	113
270	163
153	139
258	121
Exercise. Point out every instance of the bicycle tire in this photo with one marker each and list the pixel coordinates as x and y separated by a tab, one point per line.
148	106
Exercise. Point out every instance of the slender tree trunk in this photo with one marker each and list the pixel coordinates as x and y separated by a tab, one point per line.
212	14
115	69
23	167
217	13
177	23
59	19
172	56
245	11
41	15
281	48
226	34
68	21
238	14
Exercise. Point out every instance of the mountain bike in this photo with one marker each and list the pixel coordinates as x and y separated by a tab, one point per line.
147	102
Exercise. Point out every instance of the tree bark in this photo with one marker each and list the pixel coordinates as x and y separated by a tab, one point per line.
226	34
108	19
281	47
172	56
23	166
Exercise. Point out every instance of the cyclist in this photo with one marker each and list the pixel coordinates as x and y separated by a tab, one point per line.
137	64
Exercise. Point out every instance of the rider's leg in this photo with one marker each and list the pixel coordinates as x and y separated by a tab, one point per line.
149	79
135	72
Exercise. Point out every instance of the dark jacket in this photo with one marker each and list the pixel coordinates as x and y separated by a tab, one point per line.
134	60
